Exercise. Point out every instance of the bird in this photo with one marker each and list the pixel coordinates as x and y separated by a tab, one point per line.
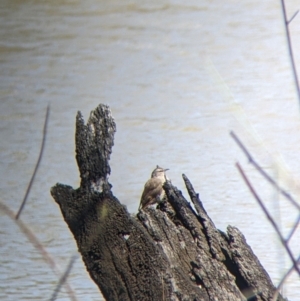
153	189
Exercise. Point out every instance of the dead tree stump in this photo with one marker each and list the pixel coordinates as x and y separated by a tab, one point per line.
171	252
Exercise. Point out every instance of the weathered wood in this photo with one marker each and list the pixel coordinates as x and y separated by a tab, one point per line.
166	252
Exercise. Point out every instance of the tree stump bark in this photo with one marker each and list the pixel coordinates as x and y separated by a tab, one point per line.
168	251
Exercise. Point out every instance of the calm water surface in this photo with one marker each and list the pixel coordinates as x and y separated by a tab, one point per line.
178	77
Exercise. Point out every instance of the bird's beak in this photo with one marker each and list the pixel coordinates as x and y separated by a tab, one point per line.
166	169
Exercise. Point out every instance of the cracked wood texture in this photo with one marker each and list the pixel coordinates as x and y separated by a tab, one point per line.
168	251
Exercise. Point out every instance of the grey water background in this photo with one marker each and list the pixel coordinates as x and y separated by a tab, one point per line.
178	76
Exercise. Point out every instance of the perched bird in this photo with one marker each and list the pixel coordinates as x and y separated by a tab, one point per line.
153	188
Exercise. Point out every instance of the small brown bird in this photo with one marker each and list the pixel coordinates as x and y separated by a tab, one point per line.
153	188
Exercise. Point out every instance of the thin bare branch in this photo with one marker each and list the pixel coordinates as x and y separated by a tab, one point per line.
294	15
286	25
63	278
293	229
37	163
283	241
284	278
37	244
262	172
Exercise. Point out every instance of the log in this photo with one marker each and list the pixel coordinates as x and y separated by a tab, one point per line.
168	251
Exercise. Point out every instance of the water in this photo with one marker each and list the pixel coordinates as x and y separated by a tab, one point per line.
157	65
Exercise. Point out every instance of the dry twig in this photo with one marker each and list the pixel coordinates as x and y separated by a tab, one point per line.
286	25
37	163
262	172
38	245
283	241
